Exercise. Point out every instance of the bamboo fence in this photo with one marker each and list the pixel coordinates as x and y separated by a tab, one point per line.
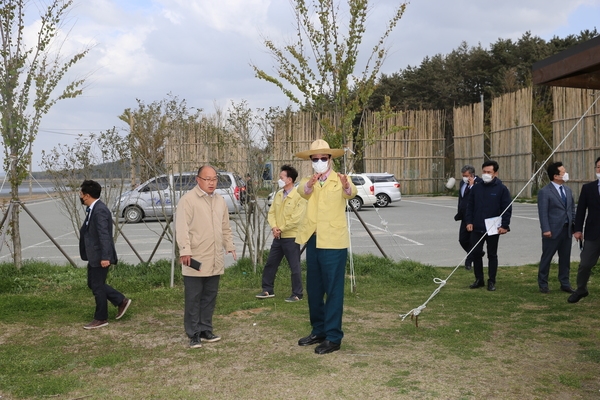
409	144
580	150
511	139
204	143
294	133
468	137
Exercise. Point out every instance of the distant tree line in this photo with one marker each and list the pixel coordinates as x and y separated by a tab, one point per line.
459	78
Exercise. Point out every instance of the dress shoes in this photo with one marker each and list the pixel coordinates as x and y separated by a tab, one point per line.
123	307
567	289
575	297
491	286
95	324
327	347
311	339
467	266
544	290
477	284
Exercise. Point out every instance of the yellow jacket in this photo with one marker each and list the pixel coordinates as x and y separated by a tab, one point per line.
286	214
326	213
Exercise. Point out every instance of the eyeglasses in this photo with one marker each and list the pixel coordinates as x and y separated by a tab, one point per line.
208	179
324	159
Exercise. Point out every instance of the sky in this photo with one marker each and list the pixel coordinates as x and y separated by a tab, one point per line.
201	50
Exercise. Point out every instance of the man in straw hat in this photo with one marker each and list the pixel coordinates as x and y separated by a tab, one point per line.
325	232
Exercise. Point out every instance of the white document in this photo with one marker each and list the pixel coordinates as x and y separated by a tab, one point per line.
492	225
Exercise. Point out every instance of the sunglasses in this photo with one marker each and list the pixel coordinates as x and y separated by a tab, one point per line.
324	159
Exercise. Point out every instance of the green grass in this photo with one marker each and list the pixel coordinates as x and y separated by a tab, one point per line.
469	344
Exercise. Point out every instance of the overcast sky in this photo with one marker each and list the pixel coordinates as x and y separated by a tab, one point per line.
200	50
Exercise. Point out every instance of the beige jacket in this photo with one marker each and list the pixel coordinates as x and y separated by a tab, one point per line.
202	231
285	214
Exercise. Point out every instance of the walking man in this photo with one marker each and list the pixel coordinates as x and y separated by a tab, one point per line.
96	246
466	185
556	210
589	203
488	199
284	217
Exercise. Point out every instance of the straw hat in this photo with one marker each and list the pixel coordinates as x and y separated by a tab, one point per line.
320	146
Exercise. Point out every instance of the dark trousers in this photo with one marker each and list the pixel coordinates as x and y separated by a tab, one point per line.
589	258
325	272
200	300
492	254
96	281
464	238
550	246
291	250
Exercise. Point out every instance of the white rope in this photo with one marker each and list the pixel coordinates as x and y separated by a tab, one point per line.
416	311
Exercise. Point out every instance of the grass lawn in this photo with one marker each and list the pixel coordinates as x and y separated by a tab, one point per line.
515	343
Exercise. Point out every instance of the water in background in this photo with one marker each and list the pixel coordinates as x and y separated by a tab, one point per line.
36	188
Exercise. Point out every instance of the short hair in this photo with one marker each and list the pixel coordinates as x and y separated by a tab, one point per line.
492	163
553	169
206	166
290	172
92	188
469	168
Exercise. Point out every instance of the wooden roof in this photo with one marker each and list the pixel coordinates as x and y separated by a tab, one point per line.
577	67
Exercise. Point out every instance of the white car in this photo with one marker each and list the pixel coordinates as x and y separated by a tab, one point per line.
387	188
365	195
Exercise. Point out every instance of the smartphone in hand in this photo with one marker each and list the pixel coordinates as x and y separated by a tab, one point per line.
195	264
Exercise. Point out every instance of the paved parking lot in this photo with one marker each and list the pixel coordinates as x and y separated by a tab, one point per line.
417	228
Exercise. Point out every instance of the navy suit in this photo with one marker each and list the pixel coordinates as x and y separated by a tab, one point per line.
96	244
589	201
558	218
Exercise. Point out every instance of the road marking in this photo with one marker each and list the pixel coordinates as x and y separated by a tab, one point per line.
393	234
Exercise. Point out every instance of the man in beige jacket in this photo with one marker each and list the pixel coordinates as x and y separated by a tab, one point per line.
203	234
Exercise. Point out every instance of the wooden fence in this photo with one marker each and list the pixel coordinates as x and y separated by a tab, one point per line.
468	137
582	146
511	139
411	145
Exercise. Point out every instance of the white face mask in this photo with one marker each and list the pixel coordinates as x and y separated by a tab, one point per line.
598	175
281	183
465	179
487	178
565	177
320	166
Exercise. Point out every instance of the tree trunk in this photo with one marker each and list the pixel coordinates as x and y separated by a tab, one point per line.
15	231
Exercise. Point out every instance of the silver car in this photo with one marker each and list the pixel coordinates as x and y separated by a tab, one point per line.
155	197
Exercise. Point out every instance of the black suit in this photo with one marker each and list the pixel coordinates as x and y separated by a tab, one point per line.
464	236
96	244
589	201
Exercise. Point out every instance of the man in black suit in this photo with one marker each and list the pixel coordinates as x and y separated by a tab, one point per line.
589	200
556	211
464	236
96	246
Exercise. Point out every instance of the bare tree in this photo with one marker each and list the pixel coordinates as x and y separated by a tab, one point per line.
27	68
320	64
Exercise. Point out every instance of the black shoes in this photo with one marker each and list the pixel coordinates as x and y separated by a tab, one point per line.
544	290
209	337
575	297
567	289
491	286
477	284
311	339
467	266
327	347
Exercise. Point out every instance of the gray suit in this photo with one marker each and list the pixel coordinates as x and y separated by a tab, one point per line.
557	218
